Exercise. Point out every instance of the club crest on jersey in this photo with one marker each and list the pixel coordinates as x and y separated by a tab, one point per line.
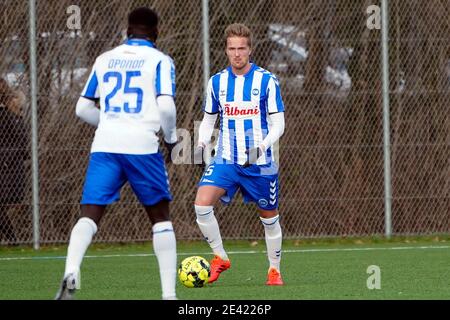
263	202
234	110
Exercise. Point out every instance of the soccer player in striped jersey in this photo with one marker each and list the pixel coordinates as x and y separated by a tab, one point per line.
135	86
248	102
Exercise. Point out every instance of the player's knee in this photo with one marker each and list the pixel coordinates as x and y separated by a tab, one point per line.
154	219
208	195
268	214
203	200
204	213
159	212
93	212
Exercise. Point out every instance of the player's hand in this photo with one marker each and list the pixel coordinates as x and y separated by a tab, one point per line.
253	155
169	147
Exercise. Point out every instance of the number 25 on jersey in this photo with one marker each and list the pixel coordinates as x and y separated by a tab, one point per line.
122	92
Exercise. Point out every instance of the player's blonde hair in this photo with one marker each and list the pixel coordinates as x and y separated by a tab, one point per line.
238	30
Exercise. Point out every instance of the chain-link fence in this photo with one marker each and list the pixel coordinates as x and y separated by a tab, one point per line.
331	155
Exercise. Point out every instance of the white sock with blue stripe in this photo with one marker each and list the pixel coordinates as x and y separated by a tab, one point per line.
80	239
208	225
165	248
273	234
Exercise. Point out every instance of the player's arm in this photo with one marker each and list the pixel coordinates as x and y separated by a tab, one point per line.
86	108
276	130
275	108
168	117
205	131
210	110
206	128
165	99
87	111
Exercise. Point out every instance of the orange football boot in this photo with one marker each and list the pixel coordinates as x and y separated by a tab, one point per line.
217	267
274	278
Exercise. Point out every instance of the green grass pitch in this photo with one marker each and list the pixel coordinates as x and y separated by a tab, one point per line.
314	269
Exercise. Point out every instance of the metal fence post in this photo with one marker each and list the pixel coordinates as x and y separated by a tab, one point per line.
206	63
386	120
34	123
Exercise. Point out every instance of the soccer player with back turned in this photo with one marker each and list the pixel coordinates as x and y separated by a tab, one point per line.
135	85
248	101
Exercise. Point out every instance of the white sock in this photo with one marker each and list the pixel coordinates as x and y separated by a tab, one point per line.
165	248
80	239
273	234
208	225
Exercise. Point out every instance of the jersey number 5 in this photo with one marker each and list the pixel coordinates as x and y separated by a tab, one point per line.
209	171
126	90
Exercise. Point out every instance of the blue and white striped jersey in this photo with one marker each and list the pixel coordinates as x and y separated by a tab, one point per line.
244	104
127	80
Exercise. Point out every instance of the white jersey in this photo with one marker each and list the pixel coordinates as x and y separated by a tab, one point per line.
244	104
127	80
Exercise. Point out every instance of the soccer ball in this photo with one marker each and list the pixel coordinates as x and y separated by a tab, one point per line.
194	272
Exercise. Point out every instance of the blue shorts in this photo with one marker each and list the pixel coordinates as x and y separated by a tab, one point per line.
258	183
108	172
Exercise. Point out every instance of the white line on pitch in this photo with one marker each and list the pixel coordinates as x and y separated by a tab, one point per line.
234	252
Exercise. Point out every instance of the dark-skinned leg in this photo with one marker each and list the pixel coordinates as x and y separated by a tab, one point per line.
158	212
93	212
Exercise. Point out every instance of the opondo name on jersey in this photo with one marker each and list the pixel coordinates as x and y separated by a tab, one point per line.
244	104
127	80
